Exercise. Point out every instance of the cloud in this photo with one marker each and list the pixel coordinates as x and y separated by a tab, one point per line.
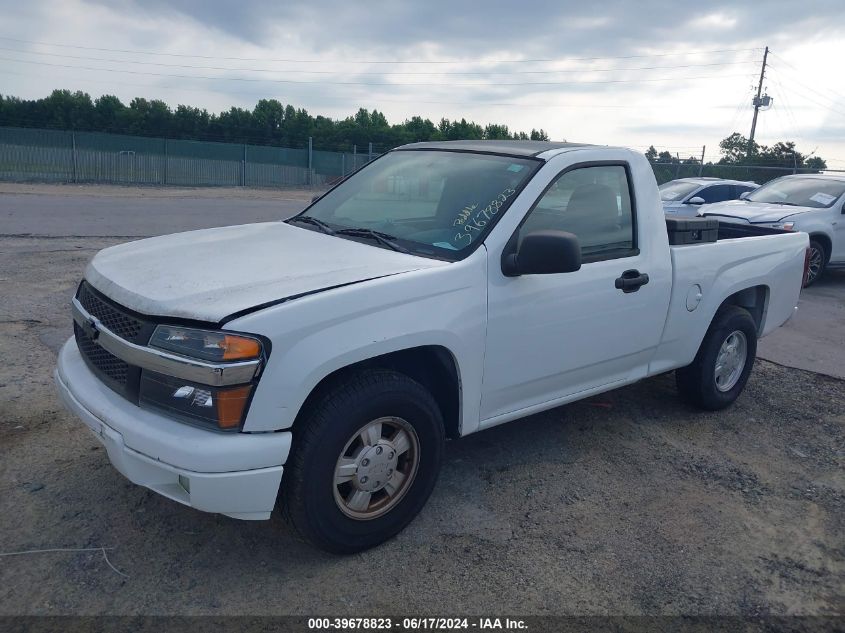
645	88
506	28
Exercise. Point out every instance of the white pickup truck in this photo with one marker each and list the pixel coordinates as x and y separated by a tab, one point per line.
320	363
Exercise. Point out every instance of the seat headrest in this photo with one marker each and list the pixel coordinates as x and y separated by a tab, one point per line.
593	198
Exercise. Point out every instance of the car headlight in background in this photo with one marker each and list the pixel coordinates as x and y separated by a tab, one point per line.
205	344
786	226
223	408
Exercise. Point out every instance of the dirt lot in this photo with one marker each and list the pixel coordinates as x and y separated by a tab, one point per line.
630	503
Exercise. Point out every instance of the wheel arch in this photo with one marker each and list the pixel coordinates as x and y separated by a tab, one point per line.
433	366
825	241
755	299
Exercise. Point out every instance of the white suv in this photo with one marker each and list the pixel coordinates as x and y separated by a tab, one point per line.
812	203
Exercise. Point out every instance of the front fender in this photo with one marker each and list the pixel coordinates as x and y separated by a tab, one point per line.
316	335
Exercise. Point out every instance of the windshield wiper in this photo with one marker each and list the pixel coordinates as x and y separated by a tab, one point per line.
378	236
307	219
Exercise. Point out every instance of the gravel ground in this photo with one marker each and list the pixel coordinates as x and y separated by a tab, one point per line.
629	503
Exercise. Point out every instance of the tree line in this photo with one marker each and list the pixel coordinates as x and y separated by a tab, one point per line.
271	123
736	150
268	123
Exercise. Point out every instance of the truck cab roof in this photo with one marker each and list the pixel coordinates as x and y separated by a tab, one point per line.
506	148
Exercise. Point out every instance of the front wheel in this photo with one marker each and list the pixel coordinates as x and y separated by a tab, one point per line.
365	459
721	367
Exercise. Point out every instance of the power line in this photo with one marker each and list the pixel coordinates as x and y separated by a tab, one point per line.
838	95
333	72
484	104
781	91
366	83
784	123
375	61
810	99
738	111
806	87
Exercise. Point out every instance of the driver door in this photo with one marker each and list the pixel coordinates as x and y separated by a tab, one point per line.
551	336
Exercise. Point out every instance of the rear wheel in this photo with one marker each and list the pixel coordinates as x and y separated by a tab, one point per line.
817	262
365	459
720	370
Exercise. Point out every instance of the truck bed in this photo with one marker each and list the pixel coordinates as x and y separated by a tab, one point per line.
690	231
737	257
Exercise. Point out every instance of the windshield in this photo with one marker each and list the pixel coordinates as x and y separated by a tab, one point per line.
676	190
817	193
431	203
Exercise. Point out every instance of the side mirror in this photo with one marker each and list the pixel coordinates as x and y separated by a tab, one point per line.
696	200
744	195
543	253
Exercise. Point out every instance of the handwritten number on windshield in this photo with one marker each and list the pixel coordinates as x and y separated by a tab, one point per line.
471	223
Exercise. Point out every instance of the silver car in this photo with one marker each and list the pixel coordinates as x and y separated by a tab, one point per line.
684	196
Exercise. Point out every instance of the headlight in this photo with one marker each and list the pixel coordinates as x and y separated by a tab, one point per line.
205	344
786	226
220	407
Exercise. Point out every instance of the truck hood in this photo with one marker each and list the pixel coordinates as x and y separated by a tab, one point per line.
753	212
210	274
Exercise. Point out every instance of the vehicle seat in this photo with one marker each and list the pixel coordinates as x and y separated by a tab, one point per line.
595	204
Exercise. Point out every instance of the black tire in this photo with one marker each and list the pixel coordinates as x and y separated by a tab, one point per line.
697	382
308	488
818	262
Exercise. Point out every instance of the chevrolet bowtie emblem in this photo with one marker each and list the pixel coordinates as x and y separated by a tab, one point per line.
90	328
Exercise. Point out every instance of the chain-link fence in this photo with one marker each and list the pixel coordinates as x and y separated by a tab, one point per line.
760	174
36	155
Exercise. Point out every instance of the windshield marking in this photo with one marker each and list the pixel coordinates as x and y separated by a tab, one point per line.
822	198
464	214
477	224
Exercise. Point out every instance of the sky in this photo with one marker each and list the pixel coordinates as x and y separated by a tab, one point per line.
677	75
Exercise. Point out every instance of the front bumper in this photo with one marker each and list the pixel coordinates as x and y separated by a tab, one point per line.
236	474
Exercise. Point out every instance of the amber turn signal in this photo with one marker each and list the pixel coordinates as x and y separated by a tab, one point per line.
240	347
230	406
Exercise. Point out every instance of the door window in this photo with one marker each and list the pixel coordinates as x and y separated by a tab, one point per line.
716	193
594	203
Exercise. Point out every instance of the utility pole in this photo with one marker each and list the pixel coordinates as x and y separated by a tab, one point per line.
701	164
757	101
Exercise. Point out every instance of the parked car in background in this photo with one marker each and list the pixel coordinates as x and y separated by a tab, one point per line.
684	196
812	203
